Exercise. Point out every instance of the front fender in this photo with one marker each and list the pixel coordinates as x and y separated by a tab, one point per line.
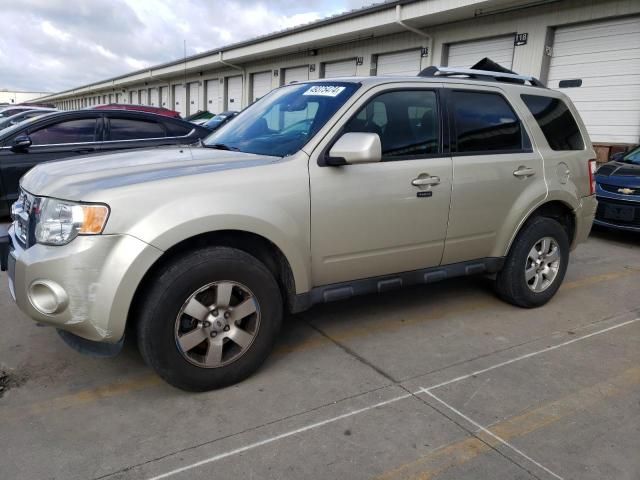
286	226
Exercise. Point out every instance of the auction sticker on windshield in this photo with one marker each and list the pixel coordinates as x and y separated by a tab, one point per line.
325	90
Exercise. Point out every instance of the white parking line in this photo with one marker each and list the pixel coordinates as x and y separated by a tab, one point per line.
491	434
290	433
428	390
529	355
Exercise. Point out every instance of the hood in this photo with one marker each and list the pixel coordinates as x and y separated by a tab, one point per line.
619	169
73	179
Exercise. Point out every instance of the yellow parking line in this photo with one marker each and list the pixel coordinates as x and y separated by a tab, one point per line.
458	453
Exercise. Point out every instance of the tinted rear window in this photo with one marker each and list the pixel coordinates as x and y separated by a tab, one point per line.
134	129
485	122
177	130
556	122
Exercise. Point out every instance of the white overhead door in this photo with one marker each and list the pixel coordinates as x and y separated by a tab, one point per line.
180	99
260	85
164	97
234	93
605	57
399	63
466	54
344	68
143	95
154	97
194	98
296	74
213	96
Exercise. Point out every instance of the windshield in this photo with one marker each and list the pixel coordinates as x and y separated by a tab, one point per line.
633	156
282	122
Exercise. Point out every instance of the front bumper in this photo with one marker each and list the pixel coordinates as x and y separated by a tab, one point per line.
619	213
98	276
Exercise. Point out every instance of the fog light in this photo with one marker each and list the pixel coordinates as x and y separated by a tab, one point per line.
48	297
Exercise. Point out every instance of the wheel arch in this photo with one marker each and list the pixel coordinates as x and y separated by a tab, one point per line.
256	245
557	209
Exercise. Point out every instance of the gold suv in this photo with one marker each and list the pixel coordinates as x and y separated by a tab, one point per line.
318	192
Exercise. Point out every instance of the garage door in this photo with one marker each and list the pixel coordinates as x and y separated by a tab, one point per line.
260	85
143	95
179	100
154	98
399	63
214	101
194	98
605	56
164	97
297	74
234	93
344	68
465	54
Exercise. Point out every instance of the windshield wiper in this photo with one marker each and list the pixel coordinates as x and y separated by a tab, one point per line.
222	146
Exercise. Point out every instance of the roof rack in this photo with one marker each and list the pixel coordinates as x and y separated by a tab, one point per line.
481	75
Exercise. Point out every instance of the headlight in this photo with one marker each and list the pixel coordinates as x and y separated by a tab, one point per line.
60	221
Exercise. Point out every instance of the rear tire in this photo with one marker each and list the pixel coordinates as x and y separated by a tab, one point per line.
536	264
210	319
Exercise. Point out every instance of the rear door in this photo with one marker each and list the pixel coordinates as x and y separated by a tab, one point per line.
55	139
497	173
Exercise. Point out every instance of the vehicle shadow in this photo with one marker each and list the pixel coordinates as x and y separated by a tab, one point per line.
621	237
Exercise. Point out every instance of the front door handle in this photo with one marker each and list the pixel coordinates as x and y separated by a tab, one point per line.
524	172
424	180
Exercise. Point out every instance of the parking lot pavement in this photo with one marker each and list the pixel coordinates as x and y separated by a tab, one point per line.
441	382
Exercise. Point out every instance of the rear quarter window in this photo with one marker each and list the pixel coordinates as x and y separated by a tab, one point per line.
556	122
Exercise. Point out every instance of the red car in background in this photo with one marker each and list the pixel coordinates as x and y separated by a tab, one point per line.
140	108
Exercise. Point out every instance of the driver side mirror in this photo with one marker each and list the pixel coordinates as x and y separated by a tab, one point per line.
355	147
21	143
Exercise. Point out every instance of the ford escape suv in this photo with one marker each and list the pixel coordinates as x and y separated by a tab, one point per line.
318	192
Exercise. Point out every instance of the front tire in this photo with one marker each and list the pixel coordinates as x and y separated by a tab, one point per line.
210	319
536	264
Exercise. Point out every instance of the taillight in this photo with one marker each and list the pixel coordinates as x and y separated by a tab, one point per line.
592	175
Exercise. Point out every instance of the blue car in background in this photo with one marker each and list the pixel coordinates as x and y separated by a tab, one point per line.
618	192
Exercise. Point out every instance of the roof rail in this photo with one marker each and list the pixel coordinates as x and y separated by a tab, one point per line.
480	75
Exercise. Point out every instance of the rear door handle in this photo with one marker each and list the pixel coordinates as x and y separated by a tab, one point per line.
425	180
524	172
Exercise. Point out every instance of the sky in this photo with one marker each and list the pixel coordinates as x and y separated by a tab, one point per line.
54	45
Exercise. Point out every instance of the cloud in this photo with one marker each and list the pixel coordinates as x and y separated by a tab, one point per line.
53	45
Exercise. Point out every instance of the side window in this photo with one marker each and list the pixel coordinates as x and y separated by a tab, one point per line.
177	130
485	122
407	122
556	122
134	129
72	131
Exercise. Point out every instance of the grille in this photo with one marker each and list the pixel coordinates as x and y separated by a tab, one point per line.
615	188
22	212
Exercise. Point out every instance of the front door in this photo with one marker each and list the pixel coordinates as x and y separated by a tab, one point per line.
380	218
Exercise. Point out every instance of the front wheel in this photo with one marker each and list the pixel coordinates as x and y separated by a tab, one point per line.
210	319
536	265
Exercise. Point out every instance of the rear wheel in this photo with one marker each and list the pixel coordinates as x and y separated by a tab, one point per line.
536	265
210	319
